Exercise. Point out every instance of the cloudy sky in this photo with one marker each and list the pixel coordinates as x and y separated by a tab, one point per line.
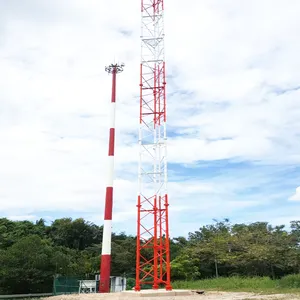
233	109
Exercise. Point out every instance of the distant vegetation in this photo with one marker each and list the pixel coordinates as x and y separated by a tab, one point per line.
31	254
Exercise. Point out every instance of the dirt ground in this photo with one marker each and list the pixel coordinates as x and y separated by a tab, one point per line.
206	296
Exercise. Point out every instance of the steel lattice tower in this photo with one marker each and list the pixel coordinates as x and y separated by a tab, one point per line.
153	251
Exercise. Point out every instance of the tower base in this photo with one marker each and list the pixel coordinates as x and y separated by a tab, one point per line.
157	293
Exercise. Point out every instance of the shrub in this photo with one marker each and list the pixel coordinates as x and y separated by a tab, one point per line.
290	281
130	283
234	283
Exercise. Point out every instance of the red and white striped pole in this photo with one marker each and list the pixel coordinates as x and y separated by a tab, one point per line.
104	286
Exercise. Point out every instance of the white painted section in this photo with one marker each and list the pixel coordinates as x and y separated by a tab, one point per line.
140	162
106	244
112	116
165	158
110	171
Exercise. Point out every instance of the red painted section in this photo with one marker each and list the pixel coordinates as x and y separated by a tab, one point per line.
138	246
105	273
155	248
111	146
167	246
108	203
159	93
113	92
161	241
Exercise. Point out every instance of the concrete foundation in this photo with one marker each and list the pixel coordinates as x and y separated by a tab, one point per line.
157	293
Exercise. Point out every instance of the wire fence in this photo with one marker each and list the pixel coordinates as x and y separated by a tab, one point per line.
66	285
23	296
75	285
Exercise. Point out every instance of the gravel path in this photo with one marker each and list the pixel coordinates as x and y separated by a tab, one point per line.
206	296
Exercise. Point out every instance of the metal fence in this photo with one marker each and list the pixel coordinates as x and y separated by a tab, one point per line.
66	285
75	285
17	296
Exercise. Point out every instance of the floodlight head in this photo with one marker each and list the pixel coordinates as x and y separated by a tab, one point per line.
117	68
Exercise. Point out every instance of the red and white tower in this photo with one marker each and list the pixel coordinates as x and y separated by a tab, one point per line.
153	251
104	287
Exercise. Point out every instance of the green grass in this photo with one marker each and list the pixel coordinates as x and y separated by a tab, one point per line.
265	285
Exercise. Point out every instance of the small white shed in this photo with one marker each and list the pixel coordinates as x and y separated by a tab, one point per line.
117	284
87	286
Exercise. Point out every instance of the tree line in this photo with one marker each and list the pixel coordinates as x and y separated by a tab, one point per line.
31	254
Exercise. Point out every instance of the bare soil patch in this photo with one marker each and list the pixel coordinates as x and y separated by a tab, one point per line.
206	296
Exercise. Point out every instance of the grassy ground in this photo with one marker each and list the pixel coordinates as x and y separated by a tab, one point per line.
288	284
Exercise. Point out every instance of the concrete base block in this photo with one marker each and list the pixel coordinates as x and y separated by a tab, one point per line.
157	293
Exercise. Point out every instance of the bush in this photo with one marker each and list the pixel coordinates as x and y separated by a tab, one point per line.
228	284
130	283
290	281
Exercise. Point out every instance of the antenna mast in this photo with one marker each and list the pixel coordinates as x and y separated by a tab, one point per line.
113	69
153	249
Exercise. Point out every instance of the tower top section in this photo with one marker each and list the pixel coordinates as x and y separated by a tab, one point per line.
118	68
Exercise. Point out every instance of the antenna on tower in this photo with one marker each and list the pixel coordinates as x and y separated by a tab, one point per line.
118	68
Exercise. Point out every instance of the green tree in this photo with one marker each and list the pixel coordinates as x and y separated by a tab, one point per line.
27	266
77	234
185	266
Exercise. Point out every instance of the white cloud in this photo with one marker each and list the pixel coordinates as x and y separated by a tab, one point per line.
229	63
25	217
296	196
